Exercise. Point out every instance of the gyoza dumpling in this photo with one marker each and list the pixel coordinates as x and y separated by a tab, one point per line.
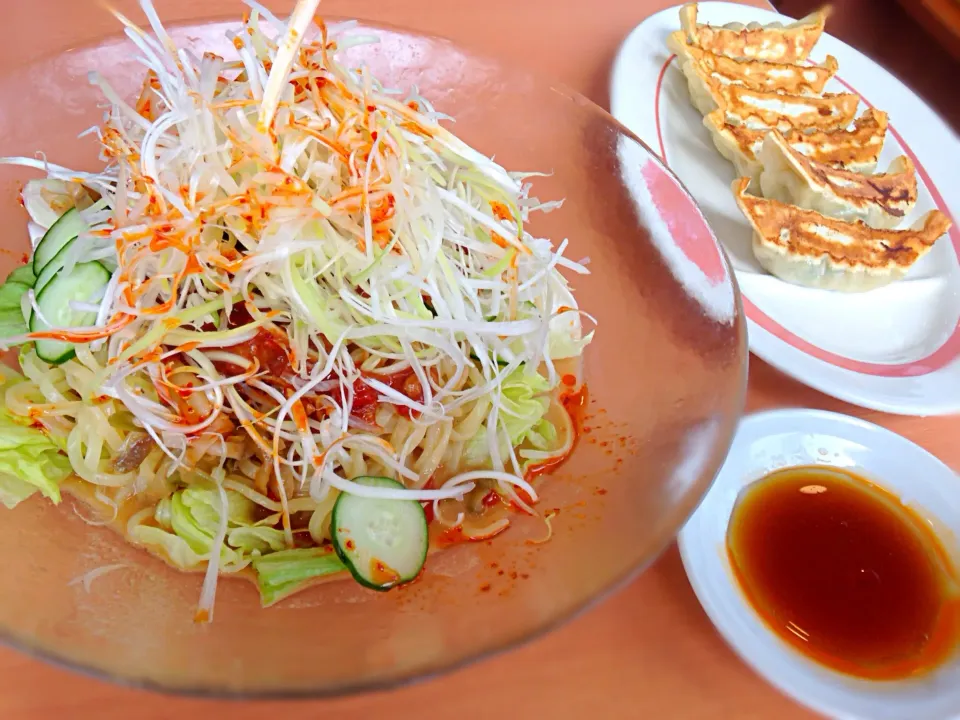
856	149
707	73
881	201
774	42
806	248
767	110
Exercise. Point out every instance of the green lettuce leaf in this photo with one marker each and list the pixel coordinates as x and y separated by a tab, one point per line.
204	502
259	539
190	519
524	402
174	547
543	435
29	459
13	490
197	534
281	573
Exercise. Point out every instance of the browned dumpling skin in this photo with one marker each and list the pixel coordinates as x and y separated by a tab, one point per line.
807	248
775	42
881	201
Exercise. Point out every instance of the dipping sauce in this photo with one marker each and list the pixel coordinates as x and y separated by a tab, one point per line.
845	573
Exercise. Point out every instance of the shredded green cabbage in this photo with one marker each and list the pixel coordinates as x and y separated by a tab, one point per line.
201	502
524	401
191	517
256	539
282	573
198	536
29	459
174	547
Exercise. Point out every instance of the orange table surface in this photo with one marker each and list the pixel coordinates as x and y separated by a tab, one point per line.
647	651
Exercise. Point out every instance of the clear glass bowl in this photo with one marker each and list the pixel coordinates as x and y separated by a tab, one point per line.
666	376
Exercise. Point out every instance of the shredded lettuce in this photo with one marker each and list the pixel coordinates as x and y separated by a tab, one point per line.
256	539
281	573
542	436
14	491
190	518
524	401
29	459
177	550
198	536
203	505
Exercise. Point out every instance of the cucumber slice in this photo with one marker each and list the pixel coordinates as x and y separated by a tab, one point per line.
23	274
51	269
65	229
382	542
10	294
82	283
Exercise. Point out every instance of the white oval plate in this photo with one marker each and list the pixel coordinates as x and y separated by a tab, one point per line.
896	348
783	438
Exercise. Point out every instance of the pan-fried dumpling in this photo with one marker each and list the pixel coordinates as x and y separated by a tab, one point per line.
806	248
775	42
766	110
856	149
706	73
881	201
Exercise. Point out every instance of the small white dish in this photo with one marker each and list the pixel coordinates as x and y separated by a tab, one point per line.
896	348
768	441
